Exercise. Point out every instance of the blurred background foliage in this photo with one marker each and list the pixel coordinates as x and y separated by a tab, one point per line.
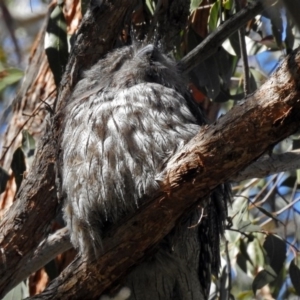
260	256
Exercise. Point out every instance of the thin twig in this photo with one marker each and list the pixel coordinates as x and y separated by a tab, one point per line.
228	269
34	113
269	165
244	56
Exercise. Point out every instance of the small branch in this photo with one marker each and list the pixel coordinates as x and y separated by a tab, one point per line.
48	249
211	44
268	165
59	241
228	273
244	56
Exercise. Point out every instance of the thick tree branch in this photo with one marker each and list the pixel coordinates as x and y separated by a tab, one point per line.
59	241
213	156
270	164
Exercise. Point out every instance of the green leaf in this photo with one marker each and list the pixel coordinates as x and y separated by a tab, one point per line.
9	77
56	43
3	180
28	147
294	272
242	262
20	291
245	254
195	4
248	226
262	278
245	295
18	166
214	16
276	250
228	4
298	176
149	4
28	143
235	44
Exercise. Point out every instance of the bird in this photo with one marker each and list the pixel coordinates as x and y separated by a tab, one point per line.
127	115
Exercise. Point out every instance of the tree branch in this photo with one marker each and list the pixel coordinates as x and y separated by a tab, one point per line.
268	165
59	242
48	249
266	117
213	41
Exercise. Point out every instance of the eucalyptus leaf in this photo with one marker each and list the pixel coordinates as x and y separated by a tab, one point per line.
150	6
294	272
248	226
242	262
56	44
18	166
20	291
9	77
28	143
195	4
275	248
261	279
227	4
269	214
214	16
3	180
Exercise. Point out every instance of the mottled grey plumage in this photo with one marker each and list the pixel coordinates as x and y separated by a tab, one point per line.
128	114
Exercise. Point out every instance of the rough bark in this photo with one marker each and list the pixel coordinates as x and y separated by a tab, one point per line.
213	156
